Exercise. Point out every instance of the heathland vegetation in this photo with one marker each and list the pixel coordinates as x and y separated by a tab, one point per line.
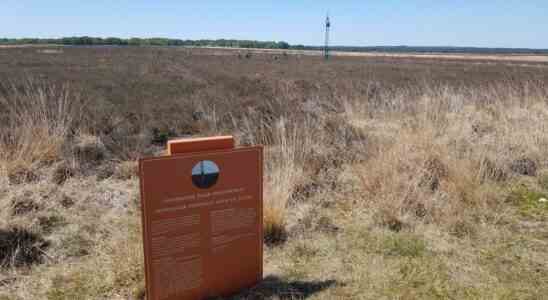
385	177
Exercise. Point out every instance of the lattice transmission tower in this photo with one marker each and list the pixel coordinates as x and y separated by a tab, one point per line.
327	28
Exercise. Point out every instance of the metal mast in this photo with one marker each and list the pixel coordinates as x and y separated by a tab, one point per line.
327	27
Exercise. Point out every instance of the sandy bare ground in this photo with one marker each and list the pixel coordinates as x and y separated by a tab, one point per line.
500	57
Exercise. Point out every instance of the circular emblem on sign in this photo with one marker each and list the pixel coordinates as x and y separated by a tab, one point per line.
205	174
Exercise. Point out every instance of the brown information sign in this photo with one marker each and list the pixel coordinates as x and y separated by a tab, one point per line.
202	221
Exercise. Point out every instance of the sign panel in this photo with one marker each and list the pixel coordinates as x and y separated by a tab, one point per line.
202	223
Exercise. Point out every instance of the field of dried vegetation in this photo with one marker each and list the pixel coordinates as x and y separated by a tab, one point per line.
385	177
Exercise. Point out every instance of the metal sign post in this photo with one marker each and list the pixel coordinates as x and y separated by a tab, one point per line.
202	211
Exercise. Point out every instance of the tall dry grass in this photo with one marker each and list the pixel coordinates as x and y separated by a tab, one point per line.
284	170
36	119
451	156
423	154
397	160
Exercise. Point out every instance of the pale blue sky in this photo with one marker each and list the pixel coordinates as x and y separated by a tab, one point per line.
495	23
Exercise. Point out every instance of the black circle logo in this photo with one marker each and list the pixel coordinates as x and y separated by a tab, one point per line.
205	174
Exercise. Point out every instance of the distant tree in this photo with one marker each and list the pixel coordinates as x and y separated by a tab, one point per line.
134	42
175	42
283	45
155	41
113	41
158	42
85	40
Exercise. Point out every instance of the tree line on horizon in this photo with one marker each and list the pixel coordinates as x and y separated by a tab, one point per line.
114	41
234	43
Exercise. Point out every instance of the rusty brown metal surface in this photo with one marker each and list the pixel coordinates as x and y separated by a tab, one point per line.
199	144
202	242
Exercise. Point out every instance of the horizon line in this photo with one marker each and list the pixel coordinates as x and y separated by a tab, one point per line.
277	41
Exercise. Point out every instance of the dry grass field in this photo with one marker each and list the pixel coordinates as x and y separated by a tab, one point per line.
385	177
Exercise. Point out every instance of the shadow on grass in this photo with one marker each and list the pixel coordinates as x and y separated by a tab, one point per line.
277	288
20	247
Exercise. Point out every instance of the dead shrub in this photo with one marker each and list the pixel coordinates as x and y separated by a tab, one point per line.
62	173
322	171
322	160
325	224
89	150
482	128
66	201
50	221
105	171
21	173
488	170
524	166
126	170
434	172
22	205
371	184
20	247
389	218
420	210
305	191
462	228
130	141
342	132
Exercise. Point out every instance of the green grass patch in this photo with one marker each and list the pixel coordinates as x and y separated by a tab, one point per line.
529	201
76	286
518	274
426	278
402	244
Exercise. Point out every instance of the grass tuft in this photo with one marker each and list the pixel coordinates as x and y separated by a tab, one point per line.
530	202
402	244
38	118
